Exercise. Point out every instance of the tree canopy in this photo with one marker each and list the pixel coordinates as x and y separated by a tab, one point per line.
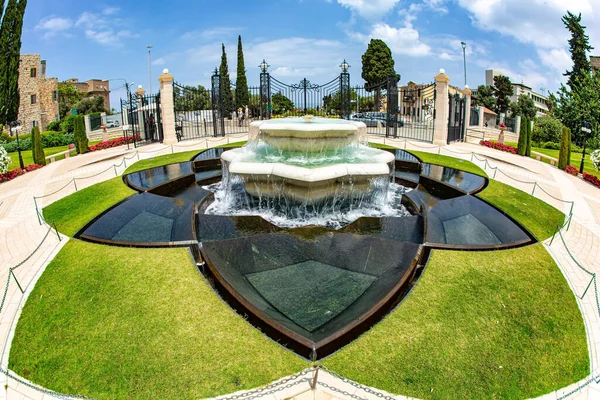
524	106
377	63
90	105
241	83
578	46
281	104
485	97
192	99
10	48
68	97
502	91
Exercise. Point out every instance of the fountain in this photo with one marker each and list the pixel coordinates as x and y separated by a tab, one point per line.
302	168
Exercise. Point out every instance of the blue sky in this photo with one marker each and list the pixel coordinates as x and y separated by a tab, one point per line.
304	38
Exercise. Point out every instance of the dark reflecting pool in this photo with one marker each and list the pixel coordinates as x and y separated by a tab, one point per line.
311	288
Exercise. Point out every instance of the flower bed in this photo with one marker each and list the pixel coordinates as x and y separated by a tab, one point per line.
499	146
113	143
591	179
10	175
572	170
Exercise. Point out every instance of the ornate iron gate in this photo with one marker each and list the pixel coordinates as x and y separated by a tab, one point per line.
280	99
456	118
142	121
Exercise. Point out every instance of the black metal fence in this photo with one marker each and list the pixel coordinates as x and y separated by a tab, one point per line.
474	116
456	118
141	117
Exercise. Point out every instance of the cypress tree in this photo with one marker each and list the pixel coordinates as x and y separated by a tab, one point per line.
81	140
10	48
37	147
569	151
226	83
529	137
522	146
241	83
565	147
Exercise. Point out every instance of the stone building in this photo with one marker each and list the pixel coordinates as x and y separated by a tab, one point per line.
93	88
595	62
38	105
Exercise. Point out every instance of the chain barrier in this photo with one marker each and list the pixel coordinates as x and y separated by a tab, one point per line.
283	384
10	374
355	384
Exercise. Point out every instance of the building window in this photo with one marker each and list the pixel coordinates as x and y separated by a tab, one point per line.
33	72
56	117
54	95
33	124
33	99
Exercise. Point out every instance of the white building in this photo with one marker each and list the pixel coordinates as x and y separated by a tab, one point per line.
539	100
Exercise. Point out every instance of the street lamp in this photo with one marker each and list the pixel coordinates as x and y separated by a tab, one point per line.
264	66
15	127
588	131
344	66
150	67
464	47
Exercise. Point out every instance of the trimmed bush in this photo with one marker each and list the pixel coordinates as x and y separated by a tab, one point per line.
55	139
6	138
81	140
522	146
25	145
38	150
529	138
547	129
563	156
549	145
54	126
67	124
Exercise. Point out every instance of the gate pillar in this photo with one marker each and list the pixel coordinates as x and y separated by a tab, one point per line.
467	92
442	109
167	107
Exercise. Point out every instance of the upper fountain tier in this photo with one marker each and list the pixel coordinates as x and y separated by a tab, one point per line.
308	134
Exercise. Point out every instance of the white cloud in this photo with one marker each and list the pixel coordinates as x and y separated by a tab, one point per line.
51	26
105	30
110	10
223	33
159	61
370	9
403	40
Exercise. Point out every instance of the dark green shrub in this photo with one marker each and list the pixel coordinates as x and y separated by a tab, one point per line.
38	150
551	145
563	156
81	140
522	145
529	137
6	138
12	146
55	139
54	126
67	124
547	129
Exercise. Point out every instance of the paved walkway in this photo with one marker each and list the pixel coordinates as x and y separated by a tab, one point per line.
21	233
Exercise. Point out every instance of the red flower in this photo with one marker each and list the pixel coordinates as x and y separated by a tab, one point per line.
571	170
591	179
499	146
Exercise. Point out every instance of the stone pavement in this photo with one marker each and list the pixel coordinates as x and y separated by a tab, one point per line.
21	233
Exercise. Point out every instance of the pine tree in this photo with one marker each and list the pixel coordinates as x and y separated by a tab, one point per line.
565	147
226	84
37	147
10	48
80	137
241	83
503	89
377	65
579	46
522	146
529	137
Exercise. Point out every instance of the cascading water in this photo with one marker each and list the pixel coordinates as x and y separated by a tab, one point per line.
297	173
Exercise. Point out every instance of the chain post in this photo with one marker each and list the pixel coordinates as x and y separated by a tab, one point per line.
534	187
588	286
172	150
439	149
115	168
56	230
15	278
496	170
37	212
472	154
75	183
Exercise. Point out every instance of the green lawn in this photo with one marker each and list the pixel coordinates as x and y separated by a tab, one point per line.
28	156
71	213
501	324
161	160
110	322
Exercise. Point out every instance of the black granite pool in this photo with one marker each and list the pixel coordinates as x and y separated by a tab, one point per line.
312	289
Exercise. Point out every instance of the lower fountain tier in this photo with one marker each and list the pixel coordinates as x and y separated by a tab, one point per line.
309	185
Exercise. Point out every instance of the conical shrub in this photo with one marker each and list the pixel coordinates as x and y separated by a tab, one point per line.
39	157
80	138
565	147
529	137
522	146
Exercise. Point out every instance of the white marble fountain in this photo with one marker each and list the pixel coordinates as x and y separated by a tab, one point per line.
308	160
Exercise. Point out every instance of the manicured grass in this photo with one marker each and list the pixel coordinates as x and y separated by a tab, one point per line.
447	161
71	213
28	156
161	160
538	217
575	160
110	322
232	145
501	324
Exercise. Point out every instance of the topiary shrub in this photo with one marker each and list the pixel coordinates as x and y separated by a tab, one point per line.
38	149
547	129
522	145
529	138
563	156
54	126
67	124
549	145
81	141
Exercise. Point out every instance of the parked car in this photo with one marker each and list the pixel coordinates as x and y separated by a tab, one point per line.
381	116
372	118
112	124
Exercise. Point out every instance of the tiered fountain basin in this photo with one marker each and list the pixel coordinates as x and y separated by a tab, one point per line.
308	161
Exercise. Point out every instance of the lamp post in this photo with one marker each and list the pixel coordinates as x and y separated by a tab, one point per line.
150	67
587	131
464	47
15	127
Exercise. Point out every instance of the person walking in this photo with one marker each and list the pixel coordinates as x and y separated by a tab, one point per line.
240	115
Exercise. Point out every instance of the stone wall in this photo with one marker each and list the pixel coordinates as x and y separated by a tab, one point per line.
45	108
